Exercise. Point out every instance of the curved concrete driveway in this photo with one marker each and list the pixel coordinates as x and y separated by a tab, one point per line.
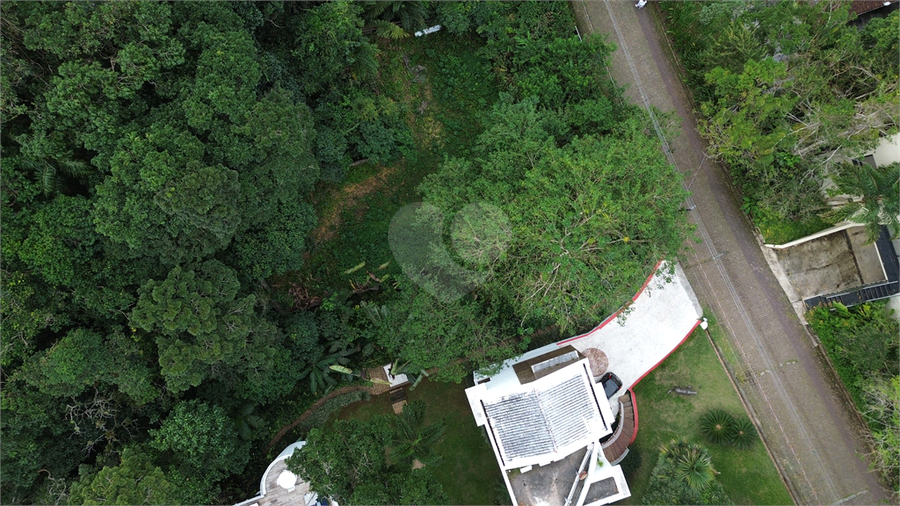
814	436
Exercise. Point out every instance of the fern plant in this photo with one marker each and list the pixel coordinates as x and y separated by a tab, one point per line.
51	175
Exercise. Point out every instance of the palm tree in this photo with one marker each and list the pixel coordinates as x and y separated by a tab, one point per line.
692	464
717	426
410	439
874	198
50	174
246	422
694	467
744	433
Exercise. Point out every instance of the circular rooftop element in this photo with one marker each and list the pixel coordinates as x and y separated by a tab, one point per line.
287	480
598	359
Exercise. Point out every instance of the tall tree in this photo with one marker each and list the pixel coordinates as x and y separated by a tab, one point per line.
201	326
337	461
135	480
203	445
348	463
589	219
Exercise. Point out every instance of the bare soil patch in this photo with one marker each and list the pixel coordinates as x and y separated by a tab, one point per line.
348	197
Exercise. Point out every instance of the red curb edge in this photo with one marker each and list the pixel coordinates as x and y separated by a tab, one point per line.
667	355
612	316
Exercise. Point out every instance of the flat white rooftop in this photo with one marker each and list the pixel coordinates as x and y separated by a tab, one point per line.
544	420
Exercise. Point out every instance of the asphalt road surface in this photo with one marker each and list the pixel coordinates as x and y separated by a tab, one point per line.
815	437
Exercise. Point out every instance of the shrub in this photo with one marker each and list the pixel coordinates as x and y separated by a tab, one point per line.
718	427
684	474
744	434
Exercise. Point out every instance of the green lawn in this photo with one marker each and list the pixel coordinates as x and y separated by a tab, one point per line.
468	470
749	476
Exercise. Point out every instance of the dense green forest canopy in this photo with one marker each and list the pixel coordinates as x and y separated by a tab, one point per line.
161	162
788	93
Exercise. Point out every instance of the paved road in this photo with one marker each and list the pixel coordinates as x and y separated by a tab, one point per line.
813	435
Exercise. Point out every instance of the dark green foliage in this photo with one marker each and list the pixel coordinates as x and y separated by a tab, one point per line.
348	461
684	474
718	426
247	422
330	46
201	326
321	375
862	343
157	161
135	480
33	424
459	17
744	433
395	19
206	442
783	88
633	461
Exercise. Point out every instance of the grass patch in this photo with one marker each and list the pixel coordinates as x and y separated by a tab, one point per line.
748	476
776	230
467	470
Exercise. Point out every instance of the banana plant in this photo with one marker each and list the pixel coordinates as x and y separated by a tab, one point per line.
412	371
346	370
319	373
246	422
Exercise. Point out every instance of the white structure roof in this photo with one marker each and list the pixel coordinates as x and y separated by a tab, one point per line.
887	151
544	420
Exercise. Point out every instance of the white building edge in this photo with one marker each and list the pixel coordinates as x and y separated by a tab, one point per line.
278	486
545	417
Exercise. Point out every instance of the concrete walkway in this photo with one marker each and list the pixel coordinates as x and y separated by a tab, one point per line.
662	315
816	438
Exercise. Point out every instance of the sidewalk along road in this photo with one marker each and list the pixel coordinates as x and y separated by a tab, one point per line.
815	437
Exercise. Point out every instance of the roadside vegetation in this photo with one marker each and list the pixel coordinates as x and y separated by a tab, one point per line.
787	93
671	440
196	206
862	343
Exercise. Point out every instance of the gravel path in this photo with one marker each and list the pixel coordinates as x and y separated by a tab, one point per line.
814	436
